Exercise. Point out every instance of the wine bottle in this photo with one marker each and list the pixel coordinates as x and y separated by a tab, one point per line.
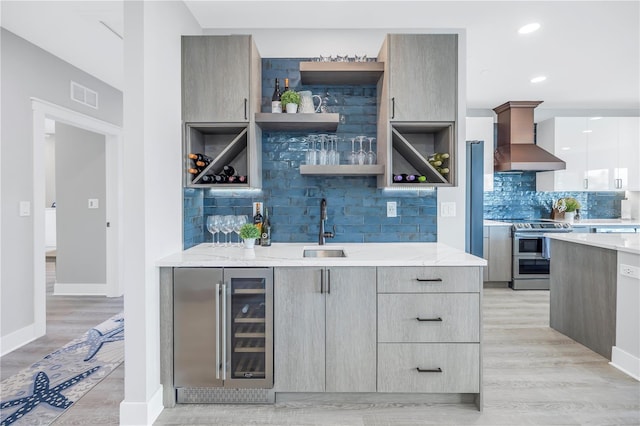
276	105
199	157
422	179
257	221
195	171
410	178
266	230
398	178
286	84
241	179
229	171
202	164
220	178
232	179
208	179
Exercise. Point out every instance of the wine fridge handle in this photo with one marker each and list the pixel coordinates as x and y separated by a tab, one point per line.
217	331
224	330
429	280
429	370
429	319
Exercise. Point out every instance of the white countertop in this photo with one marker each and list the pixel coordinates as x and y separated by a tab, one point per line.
607	222
488	222
629	243
357	254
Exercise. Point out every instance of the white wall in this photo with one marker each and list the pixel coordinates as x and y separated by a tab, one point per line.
153	191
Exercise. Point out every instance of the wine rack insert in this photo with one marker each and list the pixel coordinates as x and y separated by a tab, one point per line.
225	143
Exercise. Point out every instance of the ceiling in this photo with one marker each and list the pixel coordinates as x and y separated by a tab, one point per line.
589	50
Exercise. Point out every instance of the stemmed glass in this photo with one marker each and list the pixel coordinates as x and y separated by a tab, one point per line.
239	221
331	154
213	226
227	226
362	156
310	155
371	156
322	154
353	158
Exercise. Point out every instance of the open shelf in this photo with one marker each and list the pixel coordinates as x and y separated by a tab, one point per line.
341	73
322	122
343	170
414	143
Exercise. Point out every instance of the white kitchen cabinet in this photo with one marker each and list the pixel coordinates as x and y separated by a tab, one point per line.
481	129
600	153
498	253
325	329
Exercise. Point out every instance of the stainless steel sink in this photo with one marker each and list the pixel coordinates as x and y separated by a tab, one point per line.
332	252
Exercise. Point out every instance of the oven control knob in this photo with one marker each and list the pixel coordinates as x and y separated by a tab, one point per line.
526	225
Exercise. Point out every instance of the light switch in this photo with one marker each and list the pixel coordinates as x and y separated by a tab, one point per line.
93	203
448	209
25	208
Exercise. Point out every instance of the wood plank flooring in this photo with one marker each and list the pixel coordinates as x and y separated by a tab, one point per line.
533	375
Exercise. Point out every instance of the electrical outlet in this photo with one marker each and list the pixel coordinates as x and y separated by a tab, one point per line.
93	203
392	209
630	271
448	209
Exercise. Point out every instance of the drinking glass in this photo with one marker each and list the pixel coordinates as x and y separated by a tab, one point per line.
331	153
227	226
213	226
322	153
361	156
237	224
371	156
311	154
353	157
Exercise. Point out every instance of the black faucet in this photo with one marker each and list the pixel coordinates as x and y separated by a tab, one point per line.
323	216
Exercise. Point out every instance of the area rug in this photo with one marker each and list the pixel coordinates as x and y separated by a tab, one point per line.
41	393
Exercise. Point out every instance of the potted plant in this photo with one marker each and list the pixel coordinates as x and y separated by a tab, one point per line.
290	99
569	205
249	232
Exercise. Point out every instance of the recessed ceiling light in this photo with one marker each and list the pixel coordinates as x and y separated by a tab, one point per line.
538	79
529	28
587	131
566	148
595	118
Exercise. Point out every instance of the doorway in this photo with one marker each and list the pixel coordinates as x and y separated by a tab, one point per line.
113	166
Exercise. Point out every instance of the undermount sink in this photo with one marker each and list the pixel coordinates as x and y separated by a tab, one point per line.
323	252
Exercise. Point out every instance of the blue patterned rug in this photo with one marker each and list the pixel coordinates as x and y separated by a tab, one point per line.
41	393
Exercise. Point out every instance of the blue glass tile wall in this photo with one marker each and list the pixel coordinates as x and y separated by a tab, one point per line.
355	206
515	197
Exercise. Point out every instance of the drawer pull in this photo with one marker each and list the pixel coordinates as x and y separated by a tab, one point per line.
429	319
429	280
429	370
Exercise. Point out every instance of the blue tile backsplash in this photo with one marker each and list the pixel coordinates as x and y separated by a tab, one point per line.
355	205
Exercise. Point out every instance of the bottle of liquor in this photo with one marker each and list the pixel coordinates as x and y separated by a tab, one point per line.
199	157
229	171
266	230
257	221
286	84
276	105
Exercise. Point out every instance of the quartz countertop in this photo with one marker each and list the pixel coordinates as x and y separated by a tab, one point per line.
607	222
629	243
290	254
488	222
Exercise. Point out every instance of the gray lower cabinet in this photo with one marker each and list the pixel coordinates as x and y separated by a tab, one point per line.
325	329
498	253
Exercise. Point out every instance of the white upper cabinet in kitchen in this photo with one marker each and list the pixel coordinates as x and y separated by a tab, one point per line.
481	129
601	153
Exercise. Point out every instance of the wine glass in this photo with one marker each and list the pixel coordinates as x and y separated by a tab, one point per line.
310	155
353	158
322	154
240	220
227	226
331	153
361	156
213	226
371	156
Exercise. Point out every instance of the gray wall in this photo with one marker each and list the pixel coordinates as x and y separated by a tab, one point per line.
81	233
28	71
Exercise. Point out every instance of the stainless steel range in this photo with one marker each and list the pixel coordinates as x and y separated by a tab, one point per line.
531	260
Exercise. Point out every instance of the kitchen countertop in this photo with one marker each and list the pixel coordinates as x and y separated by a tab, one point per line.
290	254
629	243
488	222
607	222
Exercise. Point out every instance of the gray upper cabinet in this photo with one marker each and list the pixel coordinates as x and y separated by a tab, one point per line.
423	76
216	74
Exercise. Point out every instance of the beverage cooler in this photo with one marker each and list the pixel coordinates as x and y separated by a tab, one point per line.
223	334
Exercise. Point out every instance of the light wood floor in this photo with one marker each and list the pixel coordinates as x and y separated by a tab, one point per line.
533	375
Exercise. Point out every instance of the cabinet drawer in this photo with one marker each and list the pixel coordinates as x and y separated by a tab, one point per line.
428	279
398	365
447	317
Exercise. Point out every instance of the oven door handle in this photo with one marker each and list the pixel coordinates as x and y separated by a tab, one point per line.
546	248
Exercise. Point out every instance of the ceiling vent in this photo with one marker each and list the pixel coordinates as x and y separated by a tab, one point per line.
84	95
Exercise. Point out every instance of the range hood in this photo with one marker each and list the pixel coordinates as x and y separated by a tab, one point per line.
517	150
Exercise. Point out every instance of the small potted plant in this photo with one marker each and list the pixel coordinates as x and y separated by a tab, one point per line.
569	205
249	232
290	99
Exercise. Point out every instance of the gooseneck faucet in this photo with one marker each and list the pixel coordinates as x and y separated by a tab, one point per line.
323	216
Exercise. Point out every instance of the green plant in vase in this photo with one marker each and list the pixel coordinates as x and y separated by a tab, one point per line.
249	233
290	97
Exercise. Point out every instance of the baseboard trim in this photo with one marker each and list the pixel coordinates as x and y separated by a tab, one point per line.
141	413
18	338
80	289
625	362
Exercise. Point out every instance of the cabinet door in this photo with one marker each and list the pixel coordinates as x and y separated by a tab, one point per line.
500	250
602	154
423	77
627	171
299	330
485	252
215	78
351	329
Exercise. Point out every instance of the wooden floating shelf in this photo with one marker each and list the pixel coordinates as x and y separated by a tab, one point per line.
321	122
341	73
343	170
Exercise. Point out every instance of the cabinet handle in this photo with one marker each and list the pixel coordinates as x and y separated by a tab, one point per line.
430	280
393	107
429	319
586	183
224	332
245	109
217	331
619	183
429	370
321	282
328	281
